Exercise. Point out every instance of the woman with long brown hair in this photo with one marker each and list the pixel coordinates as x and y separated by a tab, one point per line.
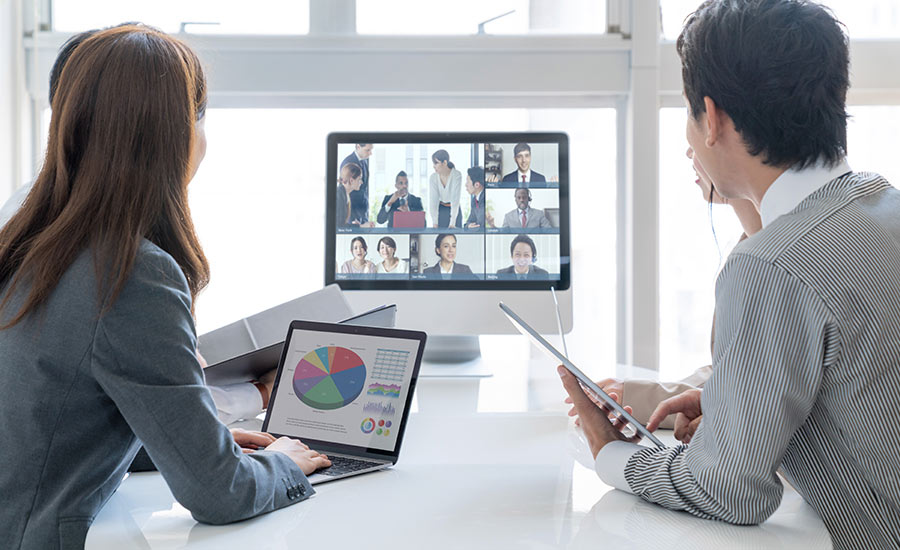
98	273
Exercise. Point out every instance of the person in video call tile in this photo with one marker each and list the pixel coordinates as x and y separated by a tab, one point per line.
525	216
359	264
387	248
444	189
475	188
400	201
524	254
445	248
359	199
524	175
350	181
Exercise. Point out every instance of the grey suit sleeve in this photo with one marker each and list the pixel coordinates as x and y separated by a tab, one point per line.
144	360
774	338
384	211
545	221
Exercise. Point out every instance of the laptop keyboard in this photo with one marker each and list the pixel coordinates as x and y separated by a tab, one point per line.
341	465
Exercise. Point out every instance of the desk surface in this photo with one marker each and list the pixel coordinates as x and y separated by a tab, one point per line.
486	463
490	480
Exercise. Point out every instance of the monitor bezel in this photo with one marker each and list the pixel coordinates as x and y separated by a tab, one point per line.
336	138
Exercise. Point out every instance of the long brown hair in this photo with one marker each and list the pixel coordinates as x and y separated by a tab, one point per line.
116	171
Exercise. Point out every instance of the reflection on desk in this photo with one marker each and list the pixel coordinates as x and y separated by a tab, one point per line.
520	480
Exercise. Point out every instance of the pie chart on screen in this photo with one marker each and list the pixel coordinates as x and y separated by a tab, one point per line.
329	377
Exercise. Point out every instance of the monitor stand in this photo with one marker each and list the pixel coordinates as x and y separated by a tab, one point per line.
453	357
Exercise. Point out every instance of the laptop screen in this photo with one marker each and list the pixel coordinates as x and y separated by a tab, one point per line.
349	386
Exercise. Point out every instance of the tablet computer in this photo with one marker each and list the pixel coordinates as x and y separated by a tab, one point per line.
586	382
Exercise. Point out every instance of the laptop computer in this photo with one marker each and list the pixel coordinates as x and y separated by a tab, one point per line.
409	219
254	363
345	391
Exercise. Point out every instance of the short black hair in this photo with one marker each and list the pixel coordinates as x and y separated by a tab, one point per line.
476	174
400	174
521	147
441	237
522	238
778	68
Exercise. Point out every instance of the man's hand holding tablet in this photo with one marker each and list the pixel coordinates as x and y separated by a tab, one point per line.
600	424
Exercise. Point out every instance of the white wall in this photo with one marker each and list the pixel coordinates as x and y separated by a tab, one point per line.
9	85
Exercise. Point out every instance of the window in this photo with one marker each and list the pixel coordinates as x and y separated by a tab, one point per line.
401	17
204	16
863	18
873	133
258	201
695	240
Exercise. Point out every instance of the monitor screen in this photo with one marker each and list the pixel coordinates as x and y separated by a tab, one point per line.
448	211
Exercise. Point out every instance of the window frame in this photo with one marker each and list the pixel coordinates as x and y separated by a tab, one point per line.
630	68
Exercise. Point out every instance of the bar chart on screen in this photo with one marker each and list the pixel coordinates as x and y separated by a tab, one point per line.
382	409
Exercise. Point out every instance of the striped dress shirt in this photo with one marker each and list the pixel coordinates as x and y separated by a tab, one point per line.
806	375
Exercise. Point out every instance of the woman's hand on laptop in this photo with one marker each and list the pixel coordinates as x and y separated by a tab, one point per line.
308	460
251	441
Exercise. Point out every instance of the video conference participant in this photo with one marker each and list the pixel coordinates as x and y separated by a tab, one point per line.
96	309
523	252
445	249
359	198
524	175
387	248
350	181
444	189
805	360
400	201
358	264
524	216
475	188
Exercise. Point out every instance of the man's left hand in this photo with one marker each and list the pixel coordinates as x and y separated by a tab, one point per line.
598	427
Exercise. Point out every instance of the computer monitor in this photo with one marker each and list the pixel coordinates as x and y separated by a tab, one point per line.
406	224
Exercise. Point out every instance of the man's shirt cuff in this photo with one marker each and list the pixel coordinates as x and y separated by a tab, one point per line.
611	461
236	401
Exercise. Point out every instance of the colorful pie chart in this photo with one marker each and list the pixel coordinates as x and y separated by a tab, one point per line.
329	377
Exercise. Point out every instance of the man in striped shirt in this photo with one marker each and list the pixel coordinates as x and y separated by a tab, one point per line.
806	361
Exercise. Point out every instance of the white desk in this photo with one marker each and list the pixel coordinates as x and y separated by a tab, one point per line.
486	463
495	480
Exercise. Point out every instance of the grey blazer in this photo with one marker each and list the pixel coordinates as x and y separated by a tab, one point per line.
80	391
534	217
533	271
460	271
